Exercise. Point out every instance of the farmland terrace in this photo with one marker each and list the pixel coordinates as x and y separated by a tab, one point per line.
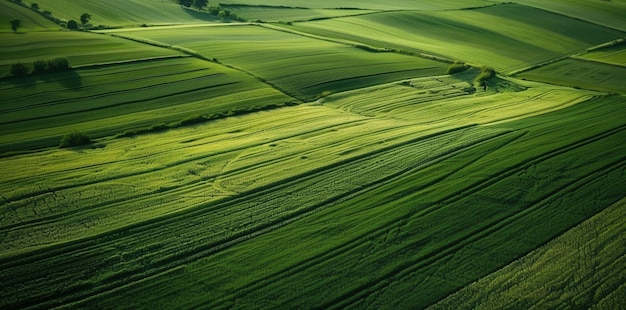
312	154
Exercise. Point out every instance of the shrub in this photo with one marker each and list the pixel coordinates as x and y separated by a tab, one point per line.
39	66
214	10
196	119
74	138
72	24
58	64
19	69
34	6
485	74
457	67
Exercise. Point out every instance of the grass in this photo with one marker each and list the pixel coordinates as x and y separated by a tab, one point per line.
496	36
580	268
31	21
303	67
127	13
421	195
581	73
614	54
607	13
367	4
394	186
290	14
105	100
80	48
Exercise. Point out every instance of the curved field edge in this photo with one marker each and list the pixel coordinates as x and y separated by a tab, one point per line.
583	268
365	242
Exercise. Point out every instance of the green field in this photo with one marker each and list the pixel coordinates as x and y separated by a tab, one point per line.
80	49
301	66
614	54
367	4
329	156
38	110
582	267
581	74
290	14
125	12
607	13
31	20
502	36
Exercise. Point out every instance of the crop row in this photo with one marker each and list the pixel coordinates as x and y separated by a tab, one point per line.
380	245
580	268
492	35
99	100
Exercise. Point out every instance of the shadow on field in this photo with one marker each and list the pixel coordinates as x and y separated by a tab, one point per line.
68	79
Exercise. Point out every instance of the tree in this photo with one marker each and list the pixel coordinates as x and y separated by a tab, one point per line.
58	64
39	66
34	6
84	19
185	3
72	24
74	138
200	4
19	69
15	24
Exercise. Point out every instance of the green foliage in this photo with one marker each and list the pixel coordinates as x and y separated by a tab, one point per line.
85	18
15	24
40	66
19	69
72	24
457	68
200	4
185	3
485	74
73	139
34	6
58	64
214	10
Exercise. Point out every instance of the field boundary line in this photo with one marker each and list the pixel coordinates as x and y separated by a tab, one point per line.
130	61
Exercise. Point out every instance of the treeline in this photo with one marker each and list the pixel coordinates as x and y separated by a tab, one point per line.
217	11
41	66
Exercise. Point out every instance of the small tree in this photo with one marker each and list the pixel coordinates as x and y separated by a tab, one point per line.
74	138
200	4
84	19
34	6
15	24
39	66
72	24
185	3
58	64
19	69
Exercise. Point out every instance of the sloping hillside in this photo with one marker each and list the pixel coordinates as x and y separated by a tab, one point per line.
30	19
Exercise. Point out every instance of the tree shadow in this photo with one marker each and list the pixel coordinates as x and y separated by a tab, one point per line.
69	79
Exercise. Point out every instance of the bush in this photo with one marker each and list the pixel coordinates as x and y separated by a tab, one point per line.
485	74
74	138
72	24
40	66
58	64
457	67
19	69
